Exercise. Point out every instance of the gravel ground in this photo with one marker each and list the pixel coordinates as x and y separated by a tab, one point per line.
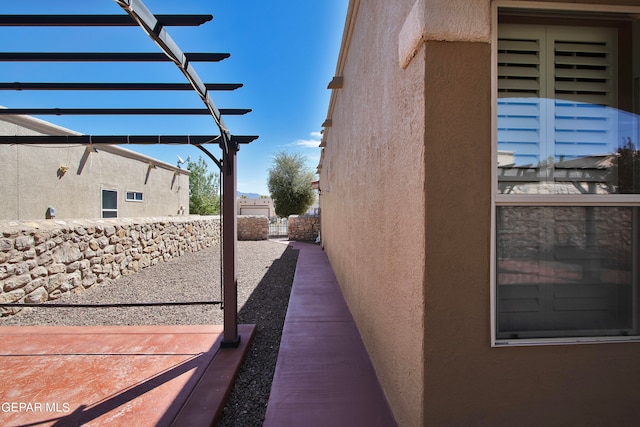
265	275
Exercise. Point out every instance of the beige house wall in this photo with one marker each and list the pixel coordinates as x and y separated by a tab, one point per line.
418	278
372	199
34	180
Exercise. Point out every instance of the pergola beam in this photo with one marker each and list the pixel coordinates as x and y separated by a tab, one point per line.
123	139
230	246
107	57
97	20
113	86
120	111
154	29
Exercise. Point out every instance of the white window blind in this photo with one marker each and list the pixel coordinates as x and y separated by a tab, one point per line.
555	89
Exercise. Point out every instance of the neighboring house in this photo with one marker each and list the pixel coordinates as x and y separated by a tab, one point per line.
314	209
256	206
264	206
497	280
78	181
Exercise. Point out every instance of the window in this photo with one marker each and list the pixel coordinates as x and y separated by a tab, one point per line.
134	196
566	271
109	204
567	188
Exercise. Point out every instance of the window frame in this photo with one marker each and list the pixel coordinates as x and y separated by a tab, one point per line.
134	199
102	209
497	199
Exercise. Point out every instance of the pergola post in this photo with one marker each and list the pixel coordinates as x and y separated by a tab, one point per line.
229	246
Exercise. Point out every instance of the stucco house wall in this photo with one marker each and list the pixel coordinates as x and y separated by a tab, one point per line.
374	156
71	177
411	126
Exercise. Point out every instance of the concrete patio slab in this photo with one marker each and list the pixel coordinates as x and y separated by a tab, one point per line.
116	375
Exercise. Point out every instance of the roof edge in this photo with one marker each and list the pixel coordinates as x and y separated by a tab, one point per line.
37	125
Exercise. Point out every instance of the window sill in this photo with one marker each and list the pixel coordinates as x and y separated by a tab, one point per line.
564	341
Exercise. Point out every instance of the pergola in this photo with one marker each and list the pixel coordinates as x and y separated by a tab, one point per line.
154	26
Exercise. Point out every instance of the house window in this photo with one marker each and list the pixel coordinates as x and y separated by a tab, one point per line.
567	187
109	204
134	196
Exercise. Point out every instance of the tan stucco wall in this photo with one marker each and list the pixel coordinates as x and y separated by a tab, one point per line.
372	199
406	222
457	227
467	382
32	181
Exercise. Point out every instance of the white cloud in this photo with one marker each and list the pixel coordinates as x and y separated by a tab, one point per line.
314	142
307	143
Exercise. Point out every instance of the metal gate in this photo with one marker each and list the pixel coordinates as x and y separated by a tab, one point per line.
278	227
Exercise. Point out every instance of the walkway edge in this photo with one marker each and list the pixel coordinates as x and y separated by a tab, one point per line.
207	399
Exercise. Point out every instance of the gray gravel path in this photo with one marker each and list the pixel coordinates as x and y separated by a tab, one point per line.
265	275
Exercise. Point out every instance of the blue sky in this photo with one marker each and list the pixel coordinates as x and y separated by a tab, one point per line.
284	52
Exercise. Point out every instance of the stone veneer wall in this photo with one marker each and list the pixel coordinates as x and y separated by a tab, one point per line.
304	228
42	260
253	227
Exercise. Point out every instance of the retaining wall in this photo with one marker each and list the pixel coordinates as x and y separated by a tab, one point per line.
42	260
304	228
253	227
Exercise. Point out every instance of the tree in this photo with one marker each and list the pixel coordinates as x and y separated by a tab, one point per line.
627	168
290	184
203	189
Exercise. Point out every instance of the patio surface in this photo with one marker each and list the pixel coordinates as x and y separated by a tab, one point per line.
179	375
116	375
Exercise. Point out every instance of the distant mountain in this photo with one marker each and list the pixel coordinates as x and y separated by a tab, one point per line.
249	195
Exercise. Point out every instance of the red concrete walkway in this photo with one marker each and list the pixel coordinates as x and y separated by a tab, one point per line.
116	375
323	376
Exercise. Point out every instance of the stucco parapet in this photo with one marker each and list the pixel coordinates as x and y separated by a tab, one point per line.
443	20
11	227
